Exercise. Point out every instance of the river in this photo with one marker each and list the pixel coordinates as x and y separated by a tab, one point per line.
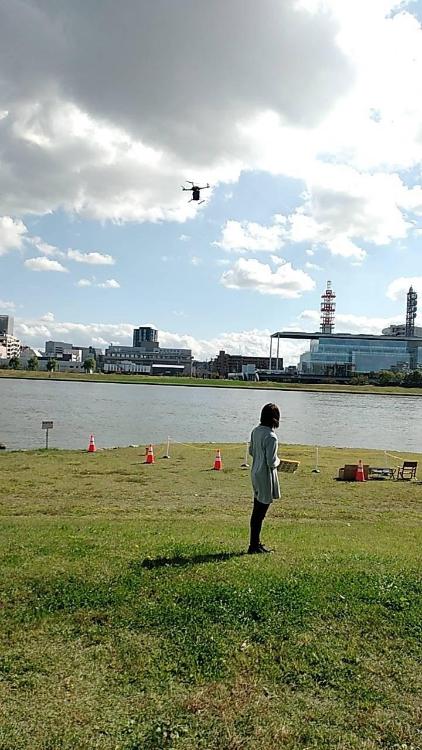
120	414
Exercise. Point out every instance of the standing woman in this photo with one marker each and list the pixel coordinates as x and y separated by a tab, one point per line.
263	449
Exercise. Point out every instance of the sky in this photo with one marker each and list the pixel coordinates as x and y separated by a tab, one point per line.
304	116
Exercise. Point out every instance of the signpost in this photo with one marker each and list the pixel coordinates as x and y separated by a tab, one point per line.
46	426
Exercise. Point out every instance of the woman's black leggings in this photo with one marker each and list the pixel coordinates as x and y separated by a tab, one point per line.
258	514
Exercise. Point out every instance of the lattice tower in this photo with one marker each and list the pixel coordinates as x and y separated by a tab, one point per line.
412	306
328	308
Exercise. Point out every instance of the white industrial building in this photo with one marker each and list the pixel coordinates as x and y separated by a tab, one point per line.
148	358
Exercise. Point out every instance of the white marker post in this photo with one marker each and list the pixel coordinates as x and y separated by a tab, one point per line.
167	453
46	426
316	470
245	464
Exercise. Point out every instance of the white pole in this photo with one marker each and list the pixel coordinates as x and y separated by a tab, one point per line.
245	464
167	454
316	470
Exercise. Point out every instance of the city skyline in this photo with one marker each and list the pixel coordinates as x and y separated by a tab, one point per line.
314	163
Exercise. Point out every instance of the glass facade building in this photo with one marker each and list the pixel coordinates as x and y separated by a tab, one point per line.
348	355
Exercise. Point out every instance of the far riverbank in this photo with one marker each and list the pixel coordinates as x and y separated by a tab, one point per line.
99	377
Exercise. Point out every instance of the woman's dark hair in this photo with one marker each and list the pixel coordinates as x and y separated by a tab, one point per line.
270	415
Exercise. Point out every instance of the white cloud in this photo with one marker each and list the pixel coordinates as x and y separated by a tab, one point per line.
399	288
83	283
347	323
345	122
343	206
45	248
109	284
94	258
7	305
70	114
343	246
184	237
241	236
277	260
195	261
313	267
376	124
286	281
44	264
80	334
253	342
12	234
48	317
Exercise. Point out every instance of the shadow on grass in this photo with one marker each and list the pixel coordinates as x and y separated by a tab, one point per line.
183	560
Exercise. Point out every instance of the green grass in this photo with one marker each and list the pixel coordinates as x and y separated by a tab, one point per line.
132	620
99	377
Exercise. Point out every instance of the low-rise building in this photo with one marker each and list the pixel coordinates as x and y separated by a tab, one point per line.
90	352
27	353
63	364
201	369
233	363
57	348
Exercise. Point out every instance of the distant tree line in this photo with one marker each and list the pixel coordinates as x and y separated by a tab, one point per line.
409	379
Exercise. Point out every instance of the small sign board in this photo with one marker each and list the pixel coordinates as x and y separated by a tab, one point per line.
46	425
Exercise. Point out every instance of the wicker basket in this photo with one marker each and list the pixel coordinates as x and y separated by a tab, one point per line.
289	467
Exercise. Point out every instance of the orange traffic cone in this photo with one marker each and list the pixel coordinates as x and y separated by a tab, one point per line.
91	446
150	456
218	464
360	474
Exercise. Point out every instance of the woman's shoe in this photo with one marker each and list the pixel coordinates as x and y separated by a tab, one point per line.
262	548
259	550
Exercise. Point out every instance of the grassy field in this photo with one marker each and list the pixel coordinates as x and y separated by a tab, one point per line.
99	377
131	619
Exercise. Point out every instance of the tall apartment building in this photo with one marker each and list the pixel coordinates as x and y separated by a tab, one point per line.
144	333
10	345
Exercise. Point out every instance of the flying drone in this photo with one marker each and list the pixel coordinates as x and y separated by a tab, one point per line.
196	191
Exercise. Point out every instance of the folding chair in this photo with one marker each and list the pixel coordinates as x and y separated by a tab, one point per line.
407	471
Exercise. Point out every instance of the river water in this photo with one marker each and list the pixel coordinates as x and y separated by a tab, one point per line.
120	415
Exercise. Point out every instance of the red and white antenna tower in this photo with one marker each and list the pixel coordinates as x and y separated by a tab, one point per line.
328	308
